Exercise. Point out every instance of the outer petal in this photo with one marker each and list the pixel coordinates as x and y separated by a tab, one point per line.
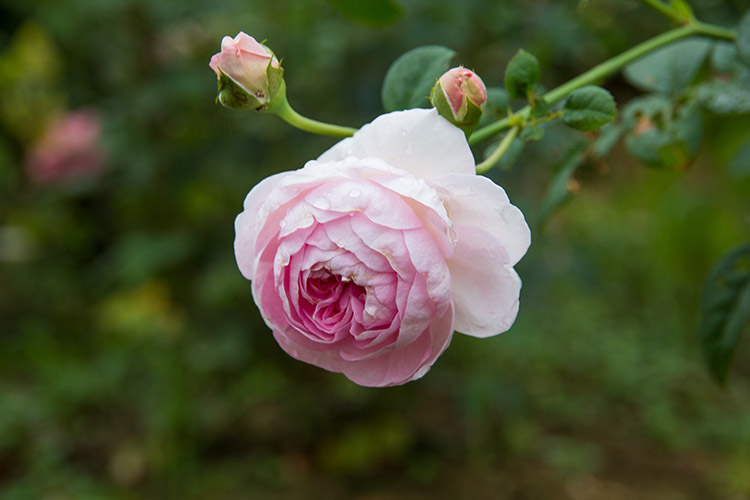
485	288
248	223
475	200
416	140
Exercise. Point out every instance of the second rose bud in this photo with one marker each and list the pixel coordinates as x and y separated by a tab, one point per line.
459	96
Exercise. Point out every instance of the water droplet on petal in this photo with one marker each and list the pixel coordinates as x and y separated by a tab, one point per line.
354	193
282	223
322	203
402	132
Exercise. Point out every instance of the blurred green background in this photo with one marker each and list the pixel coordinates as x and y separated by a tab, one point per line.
133	363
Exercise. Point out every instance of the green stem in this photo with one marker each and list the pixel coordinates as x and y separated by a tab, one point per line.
498	153
608	68
285	111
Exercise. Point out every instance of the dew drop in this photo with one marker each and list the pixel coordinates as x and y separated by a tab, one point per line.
354	193
402	132
322	203
282	223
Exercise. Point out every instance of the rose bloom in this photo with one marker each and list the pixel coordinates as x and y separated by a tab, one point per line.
70	148
366	260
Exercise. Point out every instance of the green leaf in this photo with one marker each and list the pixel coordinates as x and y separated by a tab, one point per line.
743	39
496	107
371	12
724	58
725	311
589	108
522	74
532	134
661	134
683	9
725	98
608	136
669	69
559	192
410	78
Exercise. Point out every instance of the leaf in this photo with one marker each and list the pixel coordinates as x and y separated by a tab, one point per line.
496	107
532	134
683	9
589	108
725	311
522	74
559	190
743	39
669	69
724	58
410	78
725	98
371	12
661	134
608	136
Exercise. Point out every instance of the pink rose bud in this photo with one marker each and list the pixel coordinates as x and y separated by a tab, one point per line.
250	76
70	148
459	95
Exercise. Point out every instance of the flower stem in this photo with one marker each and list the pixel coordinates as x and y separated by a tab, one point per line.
608	68
289	115
498	153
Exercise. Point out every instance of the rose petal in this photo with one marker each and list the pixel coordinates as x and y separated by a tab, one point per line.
416	140
475	200
485	288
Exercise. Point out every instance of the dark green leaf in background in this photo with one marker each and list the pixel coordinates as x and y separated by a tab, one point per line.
532	134
608	136
589	108
522	74
496	107
559	190
725	98
372	12
410	78
725	312
671	68
743	38
663	134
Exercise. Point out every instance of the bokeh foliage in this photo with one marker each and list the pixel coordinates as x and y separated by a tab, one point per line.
133	363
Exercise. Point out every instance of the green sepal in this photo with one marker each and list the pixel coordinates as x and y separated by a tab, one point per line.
234	96
469	114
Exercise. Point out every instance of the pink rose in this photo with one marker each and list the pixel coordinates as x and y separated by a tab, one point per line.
366	260
246	62
70	148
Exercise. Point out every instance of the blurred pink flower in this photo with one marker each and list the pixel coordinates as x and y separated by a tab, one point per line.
366	260
69	149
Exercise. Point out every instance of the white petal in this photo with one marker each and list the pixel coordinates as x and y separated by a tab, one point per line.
475	200
416	140
485	288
